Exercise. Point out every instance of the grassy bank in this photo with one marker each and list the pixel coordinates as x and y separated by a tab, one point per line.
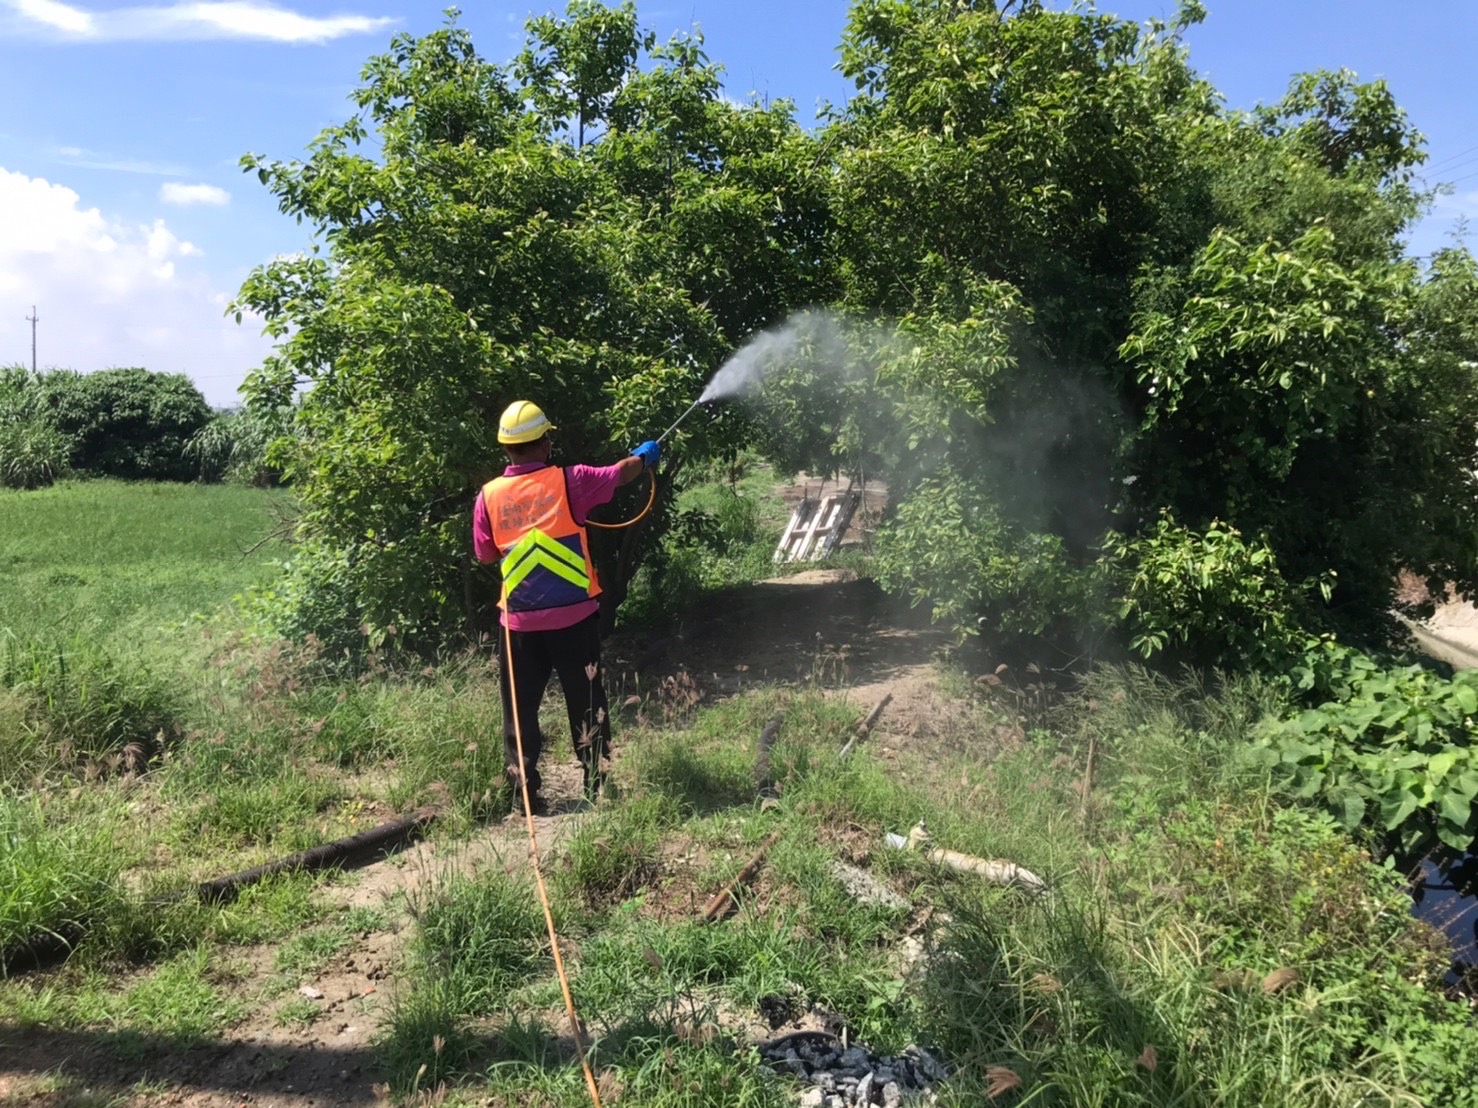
1202	943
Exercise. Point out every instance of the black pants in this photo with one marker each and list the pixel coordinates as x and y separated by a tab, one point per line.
573	653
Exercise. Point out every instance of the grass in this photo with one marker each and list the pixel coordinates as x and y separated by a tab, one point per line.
187	997
119	562
1202	945
297	1011
612	857
56	876
309	951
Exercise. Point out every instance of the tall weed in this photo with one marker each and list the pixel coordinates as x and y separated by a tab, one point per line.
89	704
478	938
55	877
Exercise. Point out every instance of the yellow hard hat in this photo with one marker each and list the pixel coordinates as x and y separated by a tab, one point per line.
523	421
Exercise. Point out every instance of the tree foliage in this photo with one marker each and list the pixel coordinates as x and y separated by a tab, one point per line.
1211	314
525	231
1106	301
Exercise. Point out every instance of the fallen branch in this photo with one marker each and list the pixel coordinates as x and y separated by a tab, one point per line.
721	900
382	837
995	870
866	725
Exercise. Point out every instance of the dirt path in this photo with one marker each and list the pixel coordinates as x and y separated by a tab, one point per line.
1451	634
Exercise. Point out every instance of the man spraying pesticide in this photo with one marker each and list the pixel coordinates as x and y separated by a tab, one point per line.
532	520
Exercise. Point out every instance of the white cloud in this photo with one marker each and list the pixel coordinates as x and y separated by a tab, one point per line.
56	15
172	192
109	292
203	19
91	159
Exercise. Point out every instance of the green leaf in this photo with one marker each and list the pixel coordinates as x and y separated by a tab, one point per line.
1454	835
1455	807
1397	807
1466	697
1439	764
1348	807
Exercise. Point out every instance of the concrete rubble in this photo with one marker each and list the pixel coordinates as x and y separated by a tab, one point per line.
853	1077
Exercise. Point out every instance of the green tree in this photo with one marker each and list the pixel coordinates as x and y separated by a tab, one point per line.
1120	298
1105	297
480	255
129	423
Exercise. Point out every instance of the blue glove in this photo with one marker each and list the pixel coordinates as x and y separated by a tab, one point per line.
649	453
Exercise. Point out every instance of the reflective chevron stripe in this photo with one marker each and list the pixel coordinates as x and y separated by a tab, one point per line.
537	550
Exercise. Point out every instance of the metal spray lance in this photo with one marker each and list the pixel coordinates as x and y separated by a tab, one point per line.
679	419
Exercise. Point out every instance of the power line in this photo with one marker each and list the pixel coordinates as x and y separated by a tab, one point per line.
1451	157
1459	164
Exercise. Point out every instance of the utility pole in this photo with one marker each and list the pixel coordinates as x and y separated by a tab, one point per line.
34	319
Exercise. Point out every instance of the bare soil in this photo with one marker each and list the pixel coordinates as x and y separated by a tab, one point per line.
1451	632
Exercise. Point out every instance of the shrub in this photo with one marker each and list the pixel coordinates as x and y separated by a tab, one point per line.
949	544
1393	746
32	454
127	423
233	447
1211	593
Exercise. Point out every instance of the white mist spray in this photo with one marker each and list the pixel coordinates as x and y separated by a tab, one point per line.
811	337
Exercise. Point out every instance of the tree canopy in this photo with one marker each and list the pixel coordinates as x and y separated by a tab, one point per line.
1132	330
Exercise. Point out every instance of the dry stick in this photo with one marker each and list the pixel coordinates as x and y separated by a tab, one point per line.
866	725
720	902
1088	773
382	837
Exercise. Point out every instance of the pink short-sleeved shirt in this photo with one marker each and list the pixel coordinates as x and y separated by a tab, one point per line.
590	487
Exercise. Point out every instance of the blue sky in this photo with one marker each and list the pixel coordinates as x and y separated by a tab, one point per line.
125	220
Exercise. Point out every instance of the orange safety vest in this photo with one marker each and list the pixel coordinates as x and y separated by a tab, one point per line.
546	554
